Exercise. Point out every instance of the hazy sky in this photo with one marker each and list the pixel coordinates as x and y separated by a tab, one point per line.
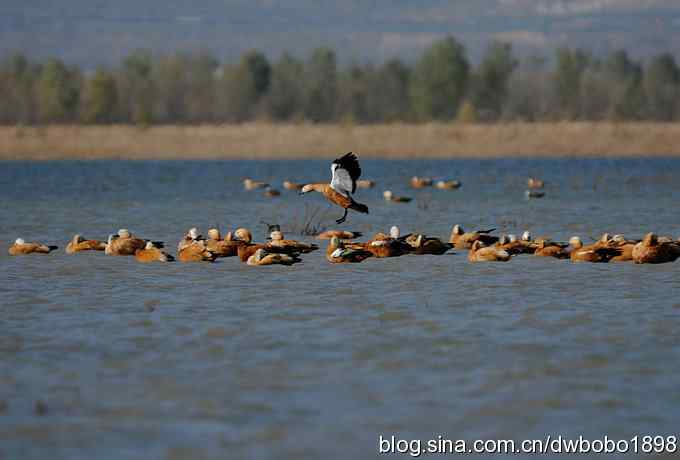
101	31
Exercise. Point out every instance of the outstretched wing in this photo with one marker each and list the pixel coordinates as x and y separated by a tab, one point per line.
346	171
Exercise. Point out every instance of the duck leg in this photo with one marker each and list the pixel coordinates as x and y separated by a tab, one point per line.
343	218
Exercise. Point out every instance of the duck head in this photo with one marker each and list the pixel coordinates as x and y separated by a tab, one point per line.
193	233
19	241
124	233
457	230
214	234
575	242
650	239
276	235
243	234
526	236
388	195
394	232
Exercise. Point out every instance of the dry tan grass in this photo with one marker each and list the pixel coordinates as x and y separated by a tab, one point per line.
266	140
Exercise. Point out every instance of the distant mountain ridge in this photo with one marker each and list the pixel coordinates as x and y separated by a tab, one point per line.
93	32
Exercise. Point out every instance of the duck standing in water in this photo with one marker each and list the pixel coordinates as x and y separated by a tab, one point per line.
151	253
652	251
78	243
20	248
337	253
345	172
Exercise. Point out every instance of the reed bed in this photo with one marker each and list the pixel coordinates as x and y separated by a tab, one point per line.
260	140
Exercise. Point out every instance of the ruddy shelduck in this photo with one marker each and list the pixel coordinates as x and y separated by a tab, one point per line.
480	253
151	253
382	245
550	249
345	172
277	240
651	251
464	240
21	247
123	244
421	244
262	257
227	247
447	184
596	253
533	182
197	251
250	184
420	182
78	243
389	196
341	234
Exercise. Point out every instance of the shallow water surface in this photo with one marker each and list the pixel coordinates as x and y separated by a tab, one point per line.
315	361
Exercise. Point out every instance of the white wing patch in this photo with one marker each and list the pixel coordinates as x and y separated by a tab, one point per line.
341	181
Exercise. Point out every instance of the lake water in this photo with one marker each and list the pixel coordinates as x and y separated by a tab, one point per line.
316	360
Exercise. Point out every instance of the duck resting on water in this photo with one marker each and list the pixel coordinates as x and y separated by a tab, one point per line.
345	172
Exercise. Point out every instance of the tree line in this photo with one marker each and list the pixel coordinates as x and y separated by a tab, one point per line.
441	85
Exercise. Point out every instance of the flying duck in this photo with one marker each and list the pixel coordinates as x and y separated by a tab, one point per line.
20	247
345	172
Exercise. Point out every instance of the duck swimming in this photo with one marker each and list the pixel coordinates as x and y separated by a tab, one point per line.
250	184
20	247
337	253
197	251
533	182
123	244
464	240
447	184
422	245
78	243
480	253
227	247
262	257
365	183
278	241
345	172
389	196
420	182
291	185
595	253
341	234
382	245
151	253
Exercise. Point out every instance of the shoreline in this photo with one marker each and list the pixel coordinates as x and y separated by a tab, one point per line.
269	141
